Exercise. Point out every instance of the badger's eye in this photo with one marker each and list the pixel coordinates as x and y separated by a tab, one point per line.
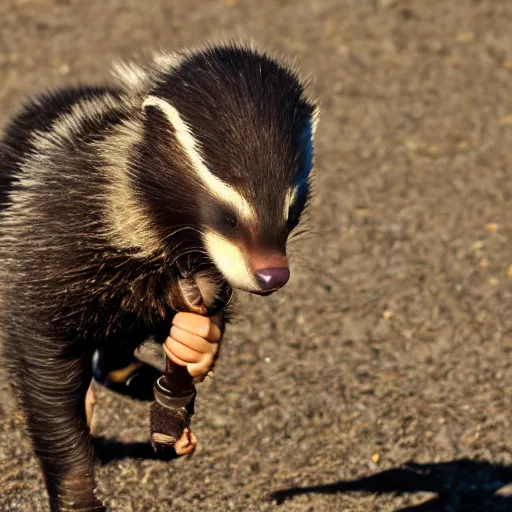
230	220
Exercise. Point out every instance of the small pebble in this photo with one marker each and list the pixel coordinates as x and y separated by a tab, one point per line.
434	150
64	69
505	120
452	61
465	37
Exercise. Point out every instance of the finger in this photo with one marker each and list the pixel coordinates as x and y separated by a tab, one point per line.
199	325
181	447
186	444
185	437
197	369
182	351
90	402
173	358
193	341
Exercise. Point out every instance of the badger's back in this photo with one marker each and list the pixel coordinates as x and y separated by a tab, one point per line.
37	116
17	146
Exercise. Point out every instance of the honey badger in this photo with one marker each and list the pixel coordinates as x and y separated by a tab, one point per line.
198	161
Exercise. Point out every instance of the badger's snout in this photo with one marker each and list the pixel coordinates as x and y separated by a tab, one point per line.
248	267
271	273
272	278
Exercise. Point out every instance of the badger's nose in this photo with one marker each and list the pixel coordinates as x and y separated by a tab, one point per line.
272	278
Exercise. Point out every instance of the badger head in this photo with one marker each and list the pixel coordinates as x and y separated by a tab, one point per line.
226	157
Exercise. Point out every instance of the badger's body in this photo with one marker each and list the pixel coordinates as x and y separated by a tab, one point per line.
198	162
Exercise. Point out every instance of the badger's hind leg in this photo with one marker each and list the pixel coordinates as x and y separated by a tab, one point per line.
129	369
53	389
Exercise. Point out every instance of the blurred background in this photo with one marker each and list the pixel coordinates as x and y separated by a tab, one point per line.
380	378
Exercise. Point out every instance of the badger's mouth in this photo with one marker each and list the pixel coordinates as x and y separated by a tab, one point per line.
264	293
263	283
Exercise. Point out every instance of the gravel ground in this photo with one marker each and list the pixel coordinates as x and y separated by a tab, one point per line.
380	378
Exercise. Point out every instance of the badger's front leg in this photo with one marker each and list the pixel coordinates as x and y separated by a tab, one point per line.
192	343
53	389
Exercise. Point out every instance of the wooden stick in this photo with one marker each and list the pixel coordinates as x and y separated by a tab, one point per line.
169	418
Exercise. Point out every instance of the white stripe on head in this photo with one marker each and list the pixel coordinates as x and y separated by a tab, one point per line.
230	261
212	183
290	198
315	118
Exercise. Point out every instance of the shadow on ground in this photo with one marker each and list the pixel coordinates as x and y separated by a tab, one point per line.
462	485
110	450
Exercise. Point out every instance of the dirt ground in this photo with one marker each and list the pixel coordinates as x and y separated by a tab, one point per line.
380	378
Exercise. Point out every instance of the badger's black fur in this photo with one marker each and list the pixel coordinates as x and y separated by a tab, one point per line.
102	207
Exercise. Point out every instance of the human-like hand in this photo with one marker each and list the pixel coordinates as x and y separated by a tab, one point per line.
193	342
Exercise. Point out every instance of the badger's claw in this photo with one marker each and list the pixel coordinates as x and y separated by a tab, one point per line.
186	444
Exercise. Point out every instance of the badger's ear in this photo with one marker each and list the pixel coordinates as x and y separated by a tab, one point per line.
157	110
178	126
152	103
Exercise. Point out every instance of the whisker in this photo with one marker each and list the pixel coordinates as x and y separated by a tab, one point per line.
322	271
